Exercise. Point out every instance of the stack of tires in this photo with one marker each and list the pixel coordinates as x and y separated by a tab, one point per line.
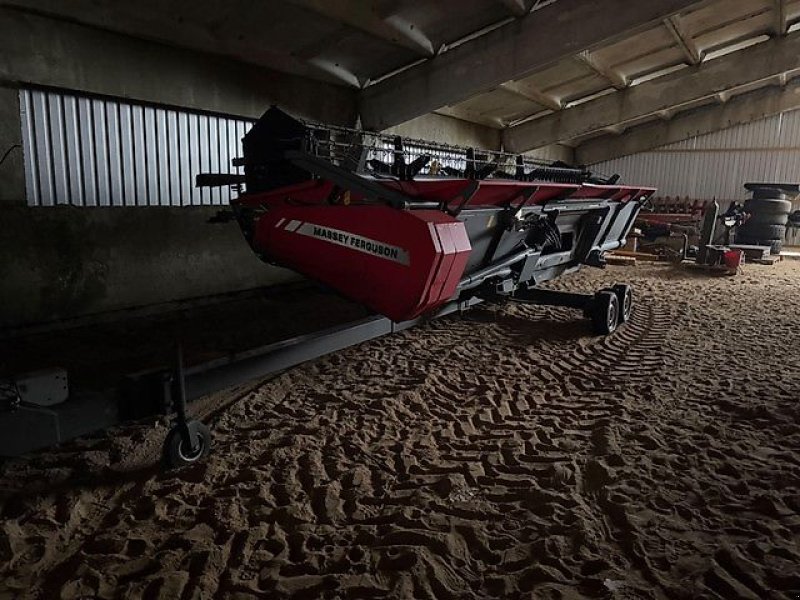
769	212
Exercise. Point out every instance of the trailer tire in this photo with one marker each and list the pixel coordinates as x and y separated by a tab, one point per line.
625	297
765	220
605	312
176	454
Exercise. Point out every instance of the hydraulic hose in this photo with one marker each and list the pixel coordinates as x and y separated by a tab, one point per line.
496	270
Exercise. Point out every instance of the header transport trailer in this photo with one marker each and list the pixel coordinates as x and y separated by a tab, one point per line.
415	229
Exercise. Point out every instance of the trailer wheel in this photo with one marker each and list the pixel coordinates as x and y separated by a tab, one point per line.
176	452
625	296
605	312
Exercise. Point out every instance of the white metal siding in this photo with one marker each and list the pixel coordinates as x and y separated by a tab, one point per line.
717	165
100	152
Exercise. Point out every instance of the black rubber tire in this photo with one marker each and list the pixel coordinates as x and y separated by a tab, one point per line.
763	219
605	312
625	297
758	231
743	238
176	456
768	206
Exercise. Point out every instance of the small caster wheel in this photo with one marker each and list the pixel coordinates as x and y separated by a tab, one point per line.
625	296
178	453
605	312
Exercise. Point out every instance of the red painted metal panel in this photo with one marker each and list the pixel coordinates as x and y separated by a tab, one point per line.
398	263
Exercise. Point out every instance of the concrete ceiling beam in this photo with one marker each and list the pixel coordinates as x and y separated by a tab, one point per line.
508	53
518	8
684	40
760	63
368	18
738	110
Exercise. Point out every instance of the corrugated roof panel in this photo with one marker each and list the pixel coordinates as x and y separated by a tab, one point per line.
711	17
643	52
497	107
561	74
734	33
793	10
581	88
652	63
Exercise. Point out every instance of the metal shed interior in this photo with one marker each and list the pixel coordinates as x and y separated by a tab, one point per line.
488	74
496	452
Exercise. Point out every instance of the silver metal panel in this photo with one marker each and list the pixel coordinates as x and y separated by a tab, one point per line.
213	156
41	124
58	149
86	142
203	156
88	151
173	159
117	195
224	156
151	157
717	165
184	163
161	158
103	172
140	172
29	148
194	158
127	148
72	135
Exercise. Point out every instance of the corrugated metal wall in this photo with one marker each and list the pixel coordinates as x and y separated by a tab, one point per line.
718	164
98	152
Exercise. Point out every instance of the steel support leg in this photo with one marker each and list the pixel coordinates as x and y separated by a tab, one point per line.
182	422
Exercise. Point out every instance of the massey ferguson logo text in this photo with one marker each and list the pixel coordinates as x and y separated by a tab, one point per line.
349	240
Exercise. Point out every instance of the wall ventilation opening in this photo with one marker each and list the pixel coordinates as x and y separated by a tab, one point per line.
90	151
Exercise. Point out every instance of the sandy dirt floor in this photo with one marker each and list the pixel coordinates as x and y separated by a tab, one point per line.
507	454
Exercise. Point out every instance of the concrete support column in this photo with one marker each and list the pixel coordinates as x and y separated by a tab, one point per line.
12	170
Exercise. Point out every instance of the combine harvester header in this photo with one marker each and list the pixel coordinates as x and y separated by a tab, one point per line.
405	227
